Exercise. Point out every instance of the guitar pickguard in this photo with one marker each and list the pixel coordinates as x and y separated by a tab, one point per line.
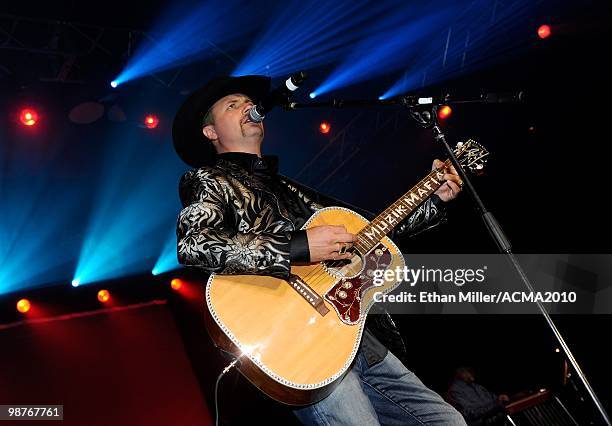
347	294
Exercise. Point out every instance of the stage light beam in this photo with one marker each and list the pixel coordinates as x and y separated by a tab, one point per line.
176	284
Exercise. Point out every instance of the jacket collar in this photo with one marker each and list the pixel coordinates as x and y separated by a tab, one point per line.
251	163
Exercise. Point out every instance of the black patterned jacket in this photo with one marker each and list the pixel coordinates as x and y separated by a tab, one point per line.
241	217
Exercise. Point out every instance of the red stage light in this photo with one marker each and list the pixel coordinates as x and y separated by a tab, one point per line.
103	296
176	284
544	31
28	117
324	127
23	306
444	112
151	121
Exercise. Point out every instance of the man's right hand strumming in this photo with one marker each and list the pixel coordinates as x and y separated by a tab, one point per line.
326	242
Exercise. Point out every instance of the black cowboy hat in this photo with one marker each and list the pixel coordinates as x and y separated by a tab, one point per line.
190	143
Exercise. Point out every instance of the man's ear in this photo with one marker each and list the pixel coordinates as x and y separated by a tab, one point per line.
209	132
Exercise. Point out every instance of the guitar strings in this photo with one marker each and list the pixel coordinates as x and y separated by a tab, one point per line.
318	274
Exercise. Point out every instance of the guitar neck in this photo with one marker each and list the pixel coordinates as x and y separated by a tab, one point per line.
393	215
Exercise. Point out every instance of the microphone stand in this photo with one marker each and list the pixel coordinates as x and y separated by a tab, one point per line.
425	112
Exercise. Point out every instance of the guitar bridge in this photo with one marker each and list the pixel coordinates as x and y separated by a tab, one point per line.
308	294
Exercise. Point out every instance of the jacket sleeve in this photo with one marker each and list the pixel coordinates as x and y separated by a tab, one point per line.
208	238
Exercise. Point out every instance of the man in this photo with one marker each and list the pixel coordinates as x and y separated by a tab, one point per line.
241	217
478	405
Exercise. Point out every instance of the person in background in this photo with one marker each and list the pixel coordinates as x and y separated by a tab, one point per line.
477	404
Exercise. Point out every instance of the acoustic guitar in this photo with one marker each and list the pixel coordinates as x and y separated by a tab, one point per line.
296	338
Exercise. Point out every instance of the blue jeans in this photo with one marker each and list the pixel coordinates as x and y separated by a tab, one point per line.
386	393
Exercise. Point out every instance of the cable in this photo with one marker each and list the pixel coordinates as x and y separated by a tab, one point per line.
225	370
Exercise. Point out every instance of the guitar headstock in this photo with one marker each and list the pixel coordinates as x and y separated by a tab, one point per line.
472	155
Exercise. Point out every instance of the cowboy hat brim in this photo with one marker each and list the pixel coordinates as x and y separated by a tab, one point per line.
190	144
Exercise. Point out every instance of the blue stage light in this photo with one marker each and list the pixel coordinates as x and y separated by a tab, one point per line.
312	95
392	42
167	260
33	187
478	36
402	86
317	35
107	209
114	84
135	204
180	38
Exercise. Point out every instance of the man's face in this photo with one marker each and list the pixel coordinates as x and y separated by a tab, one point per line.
232	131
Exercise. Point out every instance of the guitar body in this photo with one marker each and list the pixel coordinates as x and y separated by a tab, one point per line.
297	339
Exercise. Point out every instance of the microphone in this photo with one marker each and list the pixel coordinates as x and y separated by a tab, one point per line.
278	96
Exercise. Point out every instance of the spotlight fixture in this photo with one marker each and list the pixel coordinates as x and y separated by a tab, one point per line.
23	306
444	112
151	121
103	296
176	284
28	117
544	31
324	127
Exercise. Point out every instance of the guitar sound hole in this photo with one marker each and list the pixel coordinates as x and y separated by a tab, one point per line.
346	268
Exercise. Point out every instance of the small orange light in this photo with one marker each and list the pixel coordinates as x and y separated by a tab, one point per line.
324	127
151	121
544	31
28	117
444	112
23	306
103	296
176	284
